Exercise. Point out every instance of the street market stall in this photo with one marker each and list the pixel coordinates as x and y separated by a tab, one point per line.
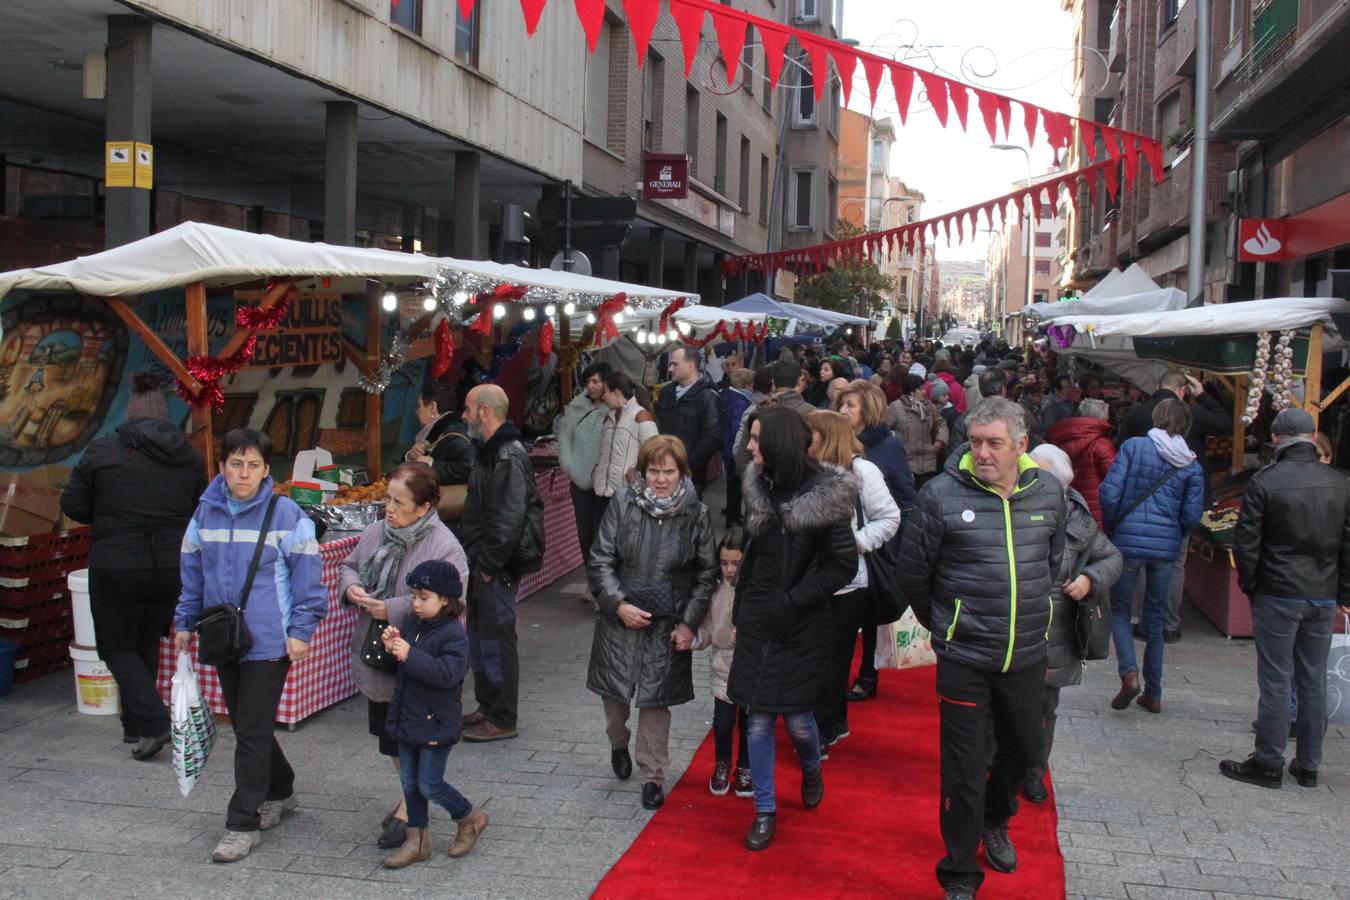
246	323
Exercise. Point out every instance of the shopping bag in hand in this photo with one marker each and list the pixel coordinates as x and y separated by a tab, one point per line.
1338	677
194	732
906	643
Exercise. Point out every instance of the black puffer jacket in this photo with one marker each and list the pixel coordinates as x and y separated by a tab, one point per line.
1293	536
695	418
801	551
979	569
137	487
503	524
1086	552
642	666
426	704
452	451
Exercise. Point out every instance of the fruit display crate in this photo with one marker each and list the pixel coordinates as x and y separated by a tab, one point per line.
22	575
36	633
40	602
42	658
19	551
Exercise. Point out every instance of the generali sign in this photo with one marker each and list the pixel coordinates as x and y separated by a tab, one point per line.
1262	240
665	176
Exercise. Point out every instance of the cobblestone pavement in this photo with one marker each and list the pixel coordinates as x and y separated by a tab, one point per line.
1143	810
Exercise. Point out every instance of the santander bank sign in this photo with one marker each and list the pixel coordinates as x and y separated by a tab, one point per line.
1262	240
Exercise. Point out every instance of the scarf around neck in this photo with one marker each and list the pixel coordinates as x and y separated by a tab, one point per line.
660	507
380	571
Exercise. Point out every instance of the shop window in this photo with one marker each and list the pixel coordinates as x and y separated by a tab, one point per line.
406	14
466	34
235	414
352	409
293	424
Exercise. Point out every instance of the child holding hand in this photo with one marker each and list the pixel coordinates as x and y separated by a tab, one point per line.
424	714
717	634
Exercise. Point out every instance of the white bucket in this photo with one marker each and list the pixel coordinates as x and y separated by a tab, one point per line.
78	582
95	688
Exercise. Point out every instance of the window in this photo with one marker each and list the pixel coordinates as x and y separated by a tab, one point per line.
691	105
406	14
904	287
1169	126
838	9
466	36
835	104
1042	267
748	61
1042	239
743	191
833	200
654	102
805	113
878	155
293	423
238	408
597	89
764	189
808	10
802	202
352	409
720	159
1169	11
910	212
1047	211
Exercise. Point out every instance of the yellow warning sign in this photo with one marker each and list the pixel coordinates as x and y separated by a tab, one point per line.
118	169
145	166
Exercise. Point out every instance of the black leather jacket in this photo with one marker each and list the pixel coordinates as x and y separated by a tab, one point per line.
1293	536
979	570
503	524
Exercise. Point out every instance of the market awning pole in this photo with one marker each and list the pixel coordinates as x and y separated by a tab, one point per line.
564	344
1312	375
374	424
1239	426
152	342
199	345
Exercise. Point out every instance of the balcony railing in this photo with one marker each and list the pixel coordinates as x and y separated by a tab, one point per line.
1272	34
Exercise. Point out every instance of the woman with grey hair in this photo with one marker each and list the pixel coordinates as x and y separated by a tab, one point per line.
1089	567
1086	438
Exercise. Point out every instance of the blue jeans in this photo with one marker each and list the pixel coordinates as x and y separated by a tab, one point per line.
801	728
1292	637
1158	574
422	771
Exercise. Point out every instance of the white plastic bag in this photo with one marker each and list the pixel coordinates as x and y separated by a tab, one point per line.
194	731
1338	677
904	644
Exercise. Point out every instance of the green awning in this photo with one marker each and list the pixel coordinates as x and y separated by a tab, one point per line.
1227	354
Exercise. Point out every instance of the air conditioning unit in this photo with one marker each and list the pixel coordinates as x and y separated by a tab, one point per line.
1236	182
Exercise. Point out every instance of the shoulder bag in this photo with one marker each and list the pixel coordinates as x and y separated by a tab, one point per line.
1092	620
222	634
883	581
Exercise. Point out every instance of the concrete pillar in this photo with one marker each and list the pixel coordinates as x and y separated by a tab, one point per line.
339	181
691	267
715	294
467	226
656	257
127	209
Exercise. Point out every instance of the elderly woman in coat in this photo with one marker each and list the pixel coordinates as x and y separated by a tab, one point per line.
652	570
374	578
920	427
1090	566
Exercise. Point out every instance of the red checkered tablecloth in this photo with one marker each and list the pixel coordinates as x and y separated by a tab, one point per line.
562	550
322	678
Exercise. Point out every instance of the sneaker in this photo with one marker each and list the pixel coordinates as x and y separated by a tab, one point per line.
743	784
721	780
839	736
761	831
271	811
998	850
485	731
1252	772
235	845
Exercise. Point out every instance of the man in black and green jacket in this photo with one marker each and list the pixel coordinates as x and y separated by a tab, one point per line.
978	553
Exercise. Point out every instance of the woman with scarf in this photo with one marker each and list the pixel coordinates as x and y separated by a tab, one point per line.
653	568
920	427
374	578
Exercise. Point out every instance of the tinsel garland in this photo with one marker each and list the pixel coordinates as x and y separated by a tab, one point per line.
390	363
742	331
209	372
502	353
487	300
255	318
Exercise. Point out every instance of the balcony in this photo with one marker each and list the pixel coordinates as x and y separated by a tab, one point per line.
1292	63
1115	50
1170	202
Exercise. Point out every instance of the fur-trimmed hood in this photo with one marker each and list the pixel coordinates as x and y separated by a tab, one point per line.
827	496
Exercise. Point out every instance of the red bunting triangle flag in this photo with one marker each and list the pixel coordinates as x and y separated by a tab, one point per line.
591	14
730	40
1152	151
845	60
1112	181
1029	117
1004	113
465	8
642	16
1131	159
775	46
935	88
902	82
988	104
960	101
872	69
689	19
820	68
1089	132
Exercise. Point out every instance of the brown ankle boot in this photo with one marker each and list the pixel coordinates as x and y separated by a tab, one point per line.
470	827
416	848
1129	689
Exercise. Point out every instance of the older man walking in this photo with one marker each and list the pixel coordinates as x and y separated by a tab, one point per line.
979	553
503	529
1292	545
689	409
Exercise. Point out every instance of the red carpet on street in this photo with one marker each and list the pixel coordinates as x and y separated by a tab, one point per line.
875	835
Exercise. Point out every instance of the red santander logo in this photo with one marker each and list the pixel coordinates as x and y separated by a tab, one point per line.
1261	240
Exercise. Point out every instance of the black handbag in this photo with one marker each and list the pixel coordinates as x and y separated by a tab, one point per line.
883	580
1092	623
222	634
655	597
373	653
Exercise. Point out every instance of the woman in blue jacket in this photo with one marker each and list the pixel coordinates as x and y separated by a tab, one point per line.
1152	497
286	602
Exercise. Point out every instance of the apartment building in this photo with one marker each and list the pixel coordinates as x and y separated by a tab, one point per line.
1010	245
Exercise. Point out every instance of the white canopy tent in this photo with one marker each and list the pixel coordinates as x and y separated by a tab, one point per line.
1277	314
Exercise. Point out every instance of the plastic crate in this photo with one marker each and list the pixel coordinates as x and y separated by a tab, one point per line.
17	551
22	575
37	602
40	659
38	634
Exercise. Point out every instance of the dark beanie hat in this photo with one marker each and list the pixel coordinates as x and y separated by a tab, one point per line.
438	576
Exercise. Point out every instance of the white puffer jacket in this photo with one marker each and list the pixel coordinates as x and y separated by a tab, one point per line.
881	518
620	439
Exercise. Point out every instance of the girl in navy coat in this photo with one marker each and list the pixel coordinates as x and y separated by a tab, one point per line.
424	715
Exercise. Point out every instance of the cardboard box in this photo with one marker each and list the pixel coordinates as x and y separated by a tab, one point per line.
30	502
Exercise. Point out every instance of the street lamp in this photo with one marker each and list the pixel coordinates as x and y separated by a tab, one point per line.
1031	238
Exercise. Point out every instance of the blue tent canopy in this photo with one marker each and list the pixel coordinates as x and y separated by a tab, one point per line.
781	309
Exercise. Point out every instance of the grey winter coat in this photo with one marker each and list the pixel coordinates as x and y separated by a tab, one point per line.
916	422
979	569
579	430
1086	552
642	666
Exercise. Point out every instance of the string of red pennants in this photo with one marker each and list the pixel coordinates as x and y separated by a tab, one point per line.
915	235
948	97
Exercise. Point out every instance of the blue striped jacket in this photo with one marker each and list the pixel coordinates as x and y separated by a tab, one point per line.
288	598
